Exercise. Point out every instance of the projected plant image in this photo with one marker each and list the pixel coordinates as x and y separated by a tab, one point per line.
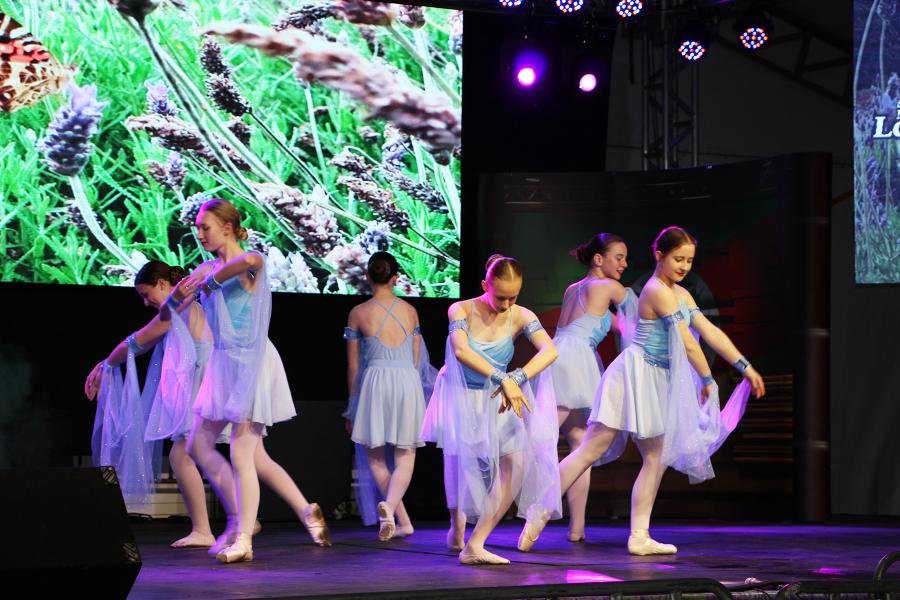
333	126
877	141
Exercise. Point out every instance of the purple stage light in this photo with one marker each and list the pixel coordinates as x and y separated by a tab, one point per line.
569	6
588	82
526	76
629	8
753	38
691	50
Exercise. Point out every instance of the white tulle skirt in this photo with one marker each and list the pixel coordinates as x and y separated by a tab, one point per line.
390	409
271	403
576	373
632	395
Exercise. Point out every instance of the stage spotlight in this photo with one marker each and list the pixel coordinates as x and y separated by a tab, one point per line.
693	42
527	76
753	29
627	9
510	3
588	82
569	6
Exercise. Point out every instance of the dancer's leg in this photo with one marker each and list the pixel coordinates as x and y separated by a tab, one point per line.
501	499
573	425
194	493
643	496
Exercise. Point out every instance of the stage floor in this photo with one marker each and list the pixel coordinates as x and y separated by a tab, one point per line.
288	564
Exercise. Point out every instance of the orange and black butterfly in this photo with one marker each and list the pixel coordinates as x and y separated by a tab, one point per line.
28	72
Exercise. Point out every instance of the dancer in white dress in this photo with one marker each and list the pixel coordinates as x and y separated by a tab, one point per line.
384	354
661	392
499	443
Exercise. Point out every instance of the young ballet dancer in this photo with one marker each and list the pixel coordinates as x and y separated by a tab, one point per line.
585	320
660	390
244	384
498	437
386	364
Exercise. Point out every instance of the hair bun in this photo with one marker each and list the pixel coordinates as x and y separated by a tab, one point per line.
242	233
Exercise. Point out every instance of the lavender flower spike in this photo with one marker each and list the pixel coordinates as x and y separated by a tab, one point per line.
158	101
67	145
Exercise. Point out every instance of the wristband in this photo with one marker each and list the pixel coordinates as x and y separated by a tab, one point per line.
707	380
741	364
519	376
211	283
498	376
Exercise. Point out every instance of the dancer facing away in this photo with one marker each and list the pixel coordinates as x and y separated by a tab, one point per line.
384	353
660	390
244	384
498	438
584	321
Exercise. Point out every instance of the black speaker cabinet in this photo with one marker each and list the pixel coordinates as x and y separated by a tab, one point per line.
67	532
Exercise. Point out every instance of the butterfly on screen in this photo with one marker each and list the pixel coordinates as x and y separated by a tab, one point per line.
28	72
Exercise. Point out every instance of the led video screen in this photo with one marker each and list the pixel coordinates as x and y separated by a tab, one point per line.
334	128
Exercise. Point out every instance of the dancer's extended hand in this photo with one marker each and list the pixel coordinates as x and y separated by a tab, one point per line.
513	398
756	382
92	383
705	391
186	288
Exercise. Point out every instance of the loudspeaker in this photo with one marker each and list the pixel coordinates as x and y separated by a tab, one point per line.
66	532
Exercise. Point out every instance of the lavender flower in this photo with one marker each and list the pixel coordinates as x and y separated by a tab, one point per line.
306	16
407	287
428	116
158	100
350	263
226	96
315	226
363	12
174	134
257	243
191	208
379	200
456	32
137	9
67	146
158	172
368	135
211	58
375	238
350	162
240	130
421	191
177	172
395	148
412	16
73	216
290	273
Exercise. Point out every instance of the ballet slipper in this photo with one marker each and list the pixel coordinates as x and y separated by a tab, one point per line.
257	527
534	525
641	544
240	551
386	524
225	539
481	558
195	539
574	537
404	530
455	539
314	521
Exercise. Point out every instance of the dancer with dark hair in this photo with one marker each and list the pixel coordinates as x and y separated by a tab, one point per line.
661	392
499	443
584	321
387	366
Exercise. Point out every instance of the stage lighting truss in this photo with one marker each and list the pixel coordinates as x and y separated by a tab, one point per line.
626	9
569	6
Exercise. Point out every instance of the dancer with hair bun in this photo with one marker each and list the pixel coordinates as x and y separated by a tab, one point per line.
498	435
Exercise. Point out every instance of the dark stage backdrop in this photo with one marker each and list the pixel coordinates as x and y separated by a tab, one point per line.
760	273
